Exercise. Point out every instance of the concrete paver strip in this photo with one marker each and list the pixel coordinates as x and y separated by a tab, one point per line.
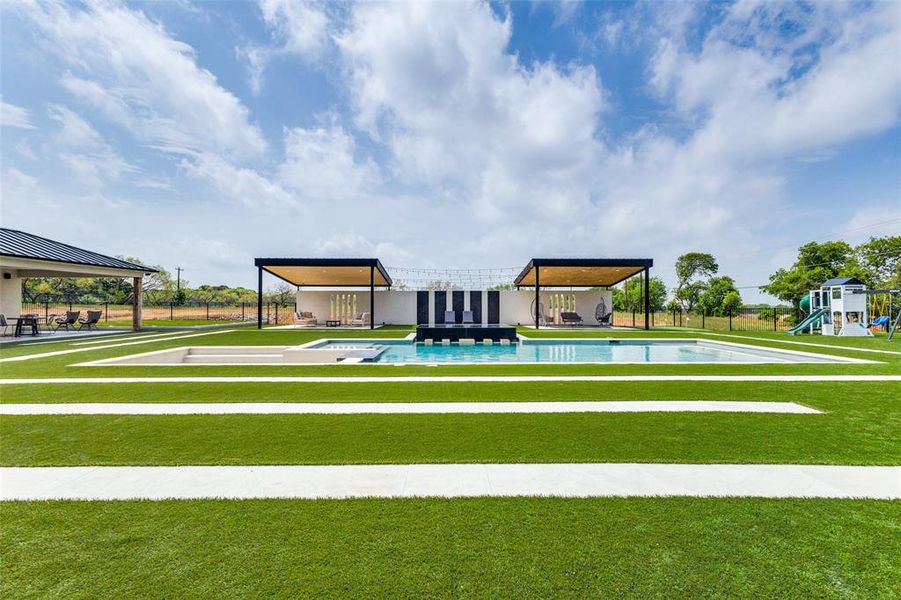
450	480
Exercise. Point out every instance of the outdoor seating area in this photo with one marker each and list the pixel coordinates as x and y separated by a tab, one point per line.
35	325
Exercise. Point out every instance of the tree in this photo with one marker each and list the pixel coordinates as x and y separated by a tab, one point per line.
692	271
816	263
629	297
731	303
282	294
881	259
712	300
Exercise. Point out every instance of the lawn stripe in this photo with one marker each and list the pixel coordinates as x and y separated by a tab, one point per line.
92	348
140	336
259	408
796	343
449	480
448	379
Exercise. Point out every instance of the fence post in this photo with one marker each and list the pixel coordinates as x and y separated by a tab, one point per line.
276	313
70	306
106	311
775	317
207	311
171	311
703	320
242	311
268	304
730	320
633	317
46	311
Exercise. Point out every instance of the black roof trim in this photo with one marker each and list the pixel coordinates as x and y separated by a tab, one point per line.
20	244
644	263
842	281
323	262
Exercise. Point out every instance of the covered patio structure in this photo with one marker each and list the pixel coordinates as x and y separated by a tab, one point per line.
24	255
324	273
584	272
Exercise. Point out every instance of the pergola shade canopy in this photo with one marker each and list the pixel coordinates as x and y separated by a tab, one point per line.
581	272
327	272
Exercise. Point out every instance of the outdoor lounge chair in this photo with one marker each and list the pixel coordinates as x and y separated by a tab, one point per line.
305	318
570	318
70	319
467	317
91	321
362	319
4	323
450	317
604	320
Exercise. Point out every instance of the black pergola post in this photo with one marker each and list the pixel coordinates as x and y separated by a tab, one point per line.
647	297
372	297
259	297
537	302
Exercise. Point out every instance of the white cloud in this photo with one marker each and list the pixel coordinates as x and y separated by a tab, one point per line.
300	29
14	116
84	152
131	69
320	164
237	184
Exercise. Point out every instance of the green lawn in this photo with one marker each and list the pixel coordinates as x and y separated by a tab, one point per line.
463	547
170	322
534	547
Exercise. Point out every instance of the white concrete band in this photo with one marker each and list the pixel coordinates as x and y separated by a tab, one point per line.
353	408
452	379
449	480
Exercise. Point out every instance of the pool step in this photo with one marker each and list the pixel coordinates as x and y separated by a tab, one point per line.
213	359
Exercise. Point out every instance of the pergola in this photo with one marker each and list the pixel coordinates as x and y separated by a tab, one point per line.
584	272
324	273
24	255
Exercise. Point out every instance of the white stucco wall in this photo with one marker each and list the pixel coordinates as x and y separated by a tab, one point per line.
399	307
10	294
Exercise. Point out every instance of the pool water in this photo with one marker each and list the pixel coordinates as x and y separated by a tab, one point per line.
574	351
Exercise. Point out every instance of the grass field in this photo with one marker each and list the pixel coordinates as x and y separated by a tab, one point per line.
540	547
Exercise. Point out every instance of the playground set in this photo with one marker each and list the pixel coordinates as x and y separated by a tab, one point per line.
842	307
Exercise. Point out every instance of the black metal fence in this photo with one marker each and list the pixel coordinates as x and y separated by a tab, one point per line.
779	318
207	311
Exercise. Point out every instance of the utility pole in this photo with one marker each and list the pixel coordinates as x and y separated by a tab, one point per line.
178	270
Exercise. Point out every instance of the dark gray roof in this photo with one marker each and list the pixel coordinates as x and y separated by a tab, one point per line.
25	245
836	281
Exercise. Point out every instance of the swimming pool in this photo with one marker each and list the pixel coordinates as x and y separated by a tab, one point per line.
673	351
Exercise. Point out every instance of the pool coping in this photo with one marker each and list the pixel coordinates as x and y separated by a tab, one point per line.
829	359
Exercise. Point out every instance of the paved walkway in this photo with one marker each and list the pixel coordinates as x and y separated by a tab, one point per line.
445	378
449	480
345	408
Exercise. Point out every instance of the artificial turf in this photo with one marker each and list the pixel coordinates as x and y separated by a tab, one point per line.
515	547
865	433
533	547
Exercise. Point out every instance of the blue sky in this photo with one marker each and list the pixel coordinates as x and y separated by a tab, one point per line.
451	134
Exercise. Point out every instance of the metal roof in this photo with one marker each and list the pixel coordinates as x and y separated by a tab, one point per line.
836	281
327	272
20	244
583	272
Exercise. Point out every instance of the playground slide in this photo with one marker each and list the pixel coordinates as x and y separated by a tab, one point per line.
809	320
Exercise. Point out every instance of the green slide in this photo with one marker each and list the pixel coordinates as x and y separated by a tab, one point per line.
809	320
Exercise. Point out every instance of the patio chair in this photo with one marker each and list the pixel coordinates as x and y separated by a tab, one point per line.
305	318
570	318
70	319
4	324
467	318
450	317
91	321
362	319
604	320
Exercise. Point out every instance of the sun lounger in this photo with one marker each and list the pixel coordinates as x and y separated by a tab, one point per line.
305	318
450	317
70	319
362	319
570	318
91	320
467	317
